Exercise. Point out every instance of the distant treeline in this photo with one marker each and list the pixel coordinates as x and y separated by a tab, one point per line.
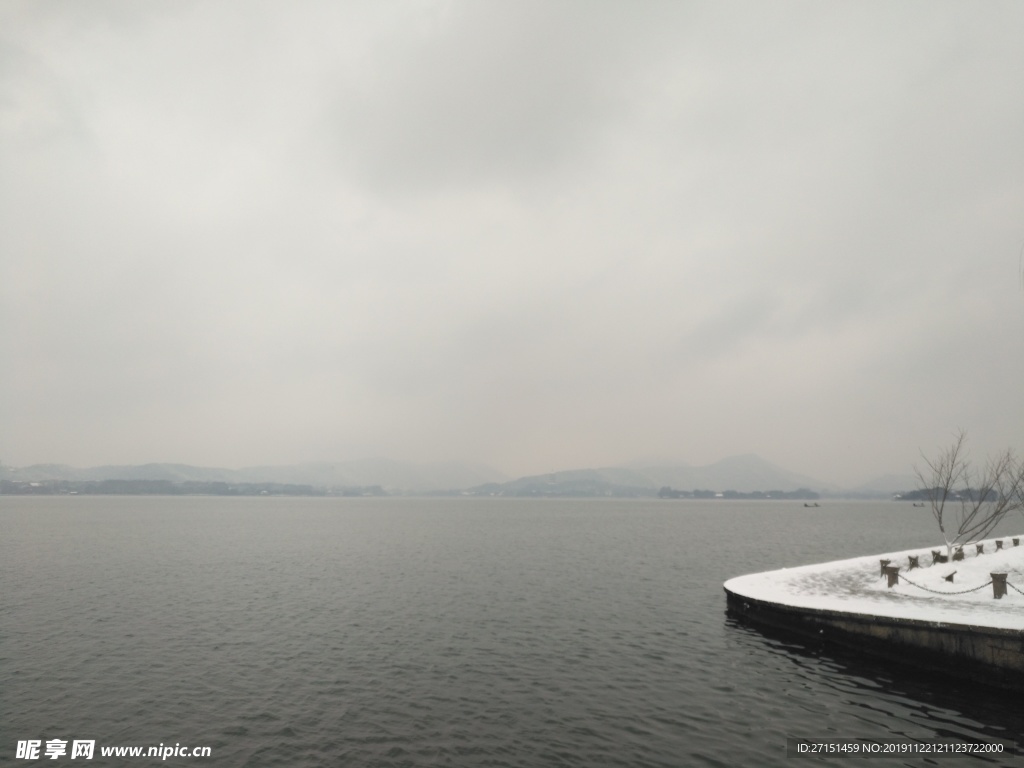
801	494
171	488
964	494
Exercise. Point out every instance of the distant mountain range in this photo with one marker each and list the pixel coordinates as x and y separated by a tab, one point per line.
743	474
393	476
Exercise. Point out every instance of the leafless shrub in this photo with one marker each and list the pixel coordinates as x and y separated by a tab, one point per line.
969	502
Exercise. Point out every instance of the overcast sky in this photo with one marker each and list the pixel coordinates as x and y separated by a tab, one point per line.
537	235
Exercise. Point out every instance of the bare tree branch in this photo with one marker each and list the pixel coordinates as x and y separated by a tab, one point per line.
967	504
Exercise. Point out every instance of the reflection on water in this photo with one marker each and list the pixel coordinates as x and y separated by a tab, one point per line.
904	700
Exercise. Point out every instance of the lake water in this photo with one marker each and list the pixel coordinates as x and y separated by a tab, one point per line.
447	632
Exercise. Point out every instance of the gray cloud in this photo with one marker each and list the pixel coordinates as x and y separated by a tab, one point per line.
485	93
532	234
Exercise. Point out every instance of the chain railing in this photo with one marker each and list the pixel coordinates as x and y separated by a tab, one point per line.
938	592
998	580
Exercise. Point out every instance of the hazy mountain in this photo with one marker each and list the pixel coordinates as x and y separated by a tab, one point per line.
387	473
396	476
745	473
738	473
175	473
39	472
613	481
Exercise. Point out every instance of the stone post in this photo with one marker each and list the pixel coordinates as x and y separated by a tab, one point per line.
892	573
998	585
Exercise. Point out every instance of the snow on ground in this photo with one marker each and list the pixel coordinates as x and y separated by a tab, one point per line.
856	586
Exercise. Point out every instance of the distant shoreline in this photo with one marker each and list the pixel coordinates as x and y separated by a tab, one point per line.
135	487
170	488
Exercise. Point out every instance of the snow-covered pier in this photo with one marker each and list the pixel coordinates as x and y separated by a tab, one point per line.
939	612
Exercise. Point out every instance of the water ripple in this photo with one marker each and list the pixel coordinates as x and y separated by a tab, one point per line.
403	632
